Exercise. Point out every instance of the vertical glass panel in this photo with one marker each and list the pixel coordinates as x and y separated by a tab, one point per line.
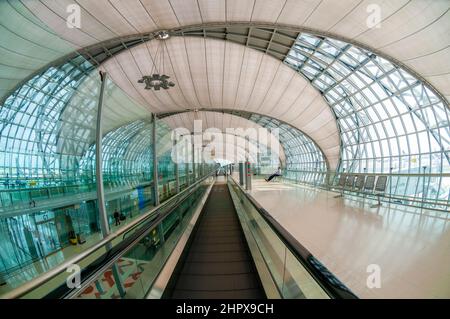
48	199
302	154
390	102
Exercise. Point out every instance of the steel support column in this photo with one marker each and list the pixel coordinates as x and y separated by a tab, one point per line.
193	160
176	159
187	161
241	174
248	168
248	176
98	161
186	171
104	224
155	163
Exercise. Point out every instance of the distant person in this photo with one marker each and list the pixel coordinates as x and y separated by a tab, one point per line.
275	174
116	216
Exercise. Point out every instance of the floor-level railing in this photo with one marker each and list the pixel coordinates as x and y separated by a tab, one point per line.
431	191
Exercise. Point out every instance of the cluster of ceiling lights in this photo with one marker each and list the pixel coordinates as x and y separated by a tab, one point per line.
158	79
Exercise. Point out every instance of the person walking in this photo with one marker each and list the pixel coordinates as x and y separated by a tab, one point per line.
116	216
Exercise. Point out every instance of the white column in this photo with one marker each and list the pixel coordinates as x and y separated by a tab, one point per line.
104	224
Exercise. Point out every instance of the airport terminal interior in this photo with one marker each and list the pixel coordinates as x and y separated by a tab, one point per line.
254	149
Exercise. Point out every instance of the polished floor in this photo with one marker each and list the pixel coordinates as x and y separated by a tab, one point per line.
410	246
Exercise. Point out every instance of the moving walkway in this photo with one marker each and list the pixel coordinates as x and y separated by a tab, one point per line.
211	240
217	263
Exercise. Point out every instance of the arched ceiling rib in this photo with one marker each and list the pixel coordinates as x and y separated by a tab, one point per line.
404	129
298	151
222	122
412	32
216	74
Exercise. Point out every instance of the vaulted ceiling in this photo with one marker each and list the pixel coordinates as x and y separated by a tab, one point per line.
222	122
415	33
218	74
211	73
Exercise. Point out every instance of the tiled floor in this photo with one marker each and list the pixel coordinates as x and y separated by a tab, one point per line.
411	247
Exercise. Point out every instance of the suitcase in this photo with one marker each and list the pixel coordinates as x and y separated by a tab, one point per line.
81	239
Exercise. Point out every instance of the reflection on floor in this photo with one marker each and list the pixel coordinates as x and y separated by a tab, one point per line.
411	247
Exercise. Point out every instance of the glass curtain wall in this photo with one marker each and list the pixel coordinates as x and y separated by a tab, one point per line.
166	165
47	166
305	161
390	121
127	158
46	199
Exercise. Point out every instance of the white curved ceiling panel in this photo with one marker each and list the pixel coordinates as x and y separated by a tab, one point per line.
328	14
296	12
214	59
187	11
181	71
442	80
26	45
197	65
109	16
281	81
55	16
410	31
301	91
421	43
251	66
353	16
395	22
212	10
268	10
162	13
236	10
239	78
139	20
265	84
296	111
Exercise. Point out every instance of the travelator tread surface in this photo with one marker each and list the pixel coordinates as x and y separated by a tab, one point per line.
218	263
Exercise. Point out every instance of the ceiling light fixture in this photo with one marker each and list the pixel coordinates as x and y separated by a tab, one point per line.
158	79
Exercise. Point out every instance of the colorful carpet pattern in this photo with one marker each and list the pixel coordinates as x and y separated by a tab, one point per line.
129	269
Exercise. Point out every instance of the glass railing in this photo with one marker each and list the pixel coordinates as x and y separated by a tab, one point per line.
22	259
426	190
34	194
139	266
295	272
136	254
